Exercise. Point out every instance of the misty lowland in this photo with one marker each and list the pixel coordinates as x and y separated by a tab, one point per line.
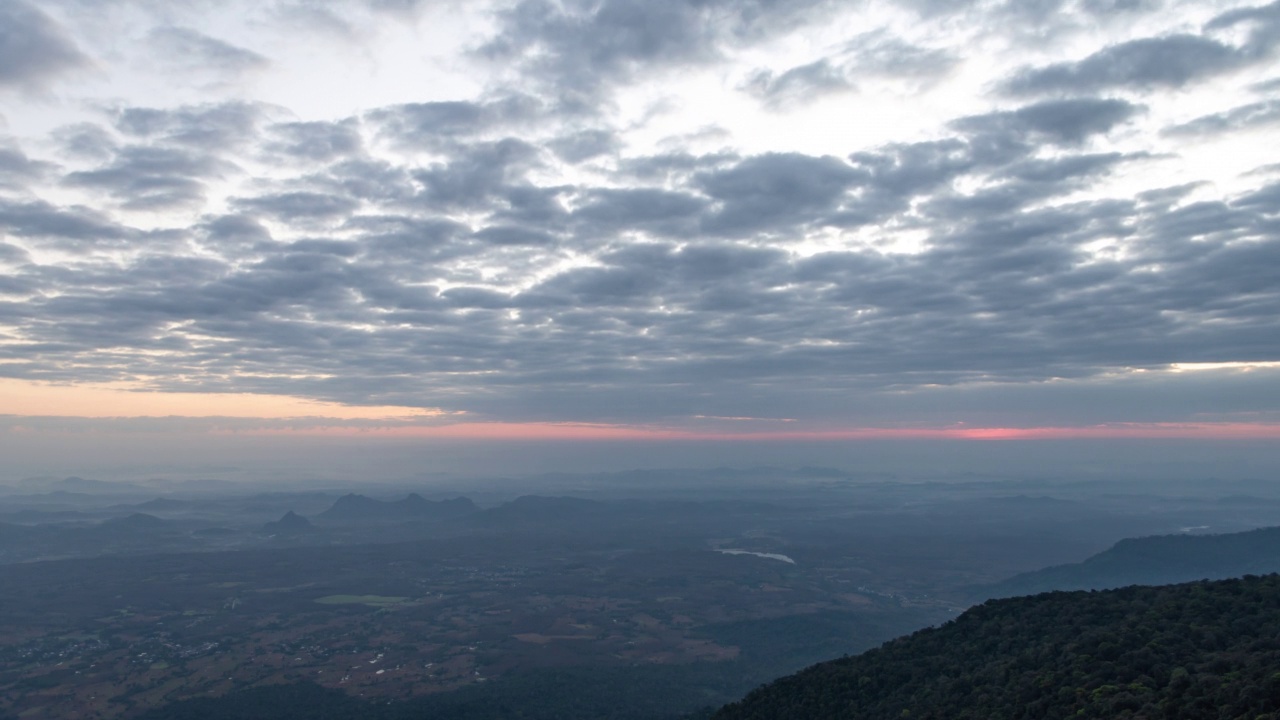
645	594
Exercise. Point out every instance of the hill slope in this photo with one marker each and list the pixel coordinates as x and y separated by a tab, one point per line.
1199	650
1159	560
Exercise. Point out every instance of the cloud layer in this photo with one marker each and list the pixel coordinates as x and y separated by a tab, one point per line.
563	238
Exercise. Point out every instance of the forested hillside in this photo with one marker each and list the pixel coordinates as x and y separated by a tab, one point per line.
1207	649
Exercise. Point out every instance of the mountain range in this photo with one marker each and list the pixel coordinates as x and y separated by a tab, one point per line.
354	508
1157	560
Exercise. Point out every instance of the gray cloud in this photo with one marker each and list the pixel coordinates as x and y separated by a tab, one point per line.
1059	121
194	52
585	145
1170	61
578	49
769	191
476	173
797	86
453	260
1253	115
223	126
34	49
12	254
513	235
878	53
16	169
1109	7
1003	292
673	166
71	226
299	206
315	141
1062	170
435	124
874	54
145	177
601	287
232	234
1263	23
86	140
608	211
399	7
582	45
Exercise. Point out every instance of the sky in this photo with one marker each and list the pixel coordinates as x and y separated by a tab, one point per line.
641	224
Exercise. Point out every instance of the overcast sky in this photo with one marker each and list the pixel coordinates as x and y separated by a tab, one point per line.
773	219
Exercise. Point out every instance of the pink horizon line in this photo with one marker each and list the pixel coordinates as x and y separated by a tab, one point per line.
597	431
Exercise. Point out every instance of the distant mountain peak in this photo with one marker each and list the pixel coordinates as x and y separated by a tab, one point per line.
292	518
290	524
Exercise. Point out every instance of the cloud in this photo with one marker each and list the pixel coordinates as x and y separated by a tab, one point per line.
435	124
578	50
798	86
513	235
349	295
561	252
85	140
1171	61
232	234
1109	7
1263	24
601	286
772	190
881	54
1253	115
608	211
192	52
1003	291
315	141
298	206
1067	122
66	227
585	145
146	177
476	173
216	126
17	169
12	254
34	49
876	54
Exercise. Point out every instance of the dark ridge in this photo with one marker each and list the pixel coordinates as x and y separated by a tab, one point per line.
1208	649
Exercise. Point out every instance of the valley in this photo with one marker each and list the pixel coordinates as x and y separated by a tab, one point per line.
678	603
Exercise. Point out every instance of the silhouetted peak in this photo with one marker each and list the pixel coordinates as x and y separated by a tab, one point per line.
291	523
292	519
